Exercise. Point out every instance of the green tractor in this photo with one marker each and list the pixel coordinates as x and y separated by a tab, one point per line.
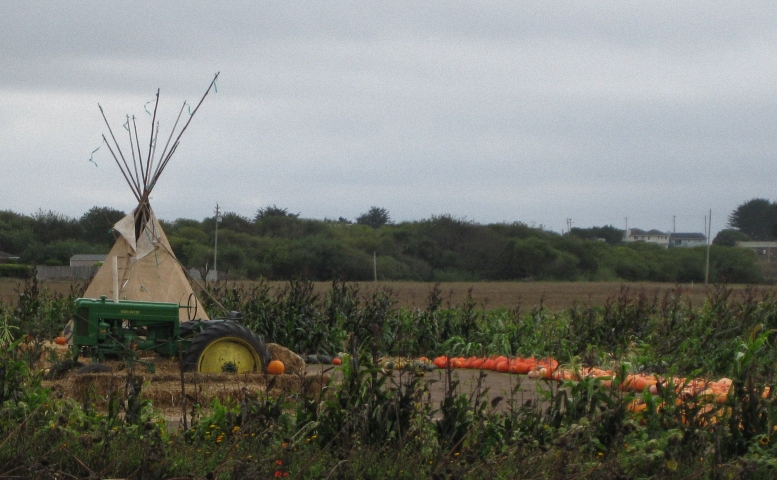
103	329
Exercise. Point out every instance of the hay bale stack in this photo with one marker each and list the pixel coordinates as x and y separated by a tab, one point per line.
164	390
314	384
293	363
97	387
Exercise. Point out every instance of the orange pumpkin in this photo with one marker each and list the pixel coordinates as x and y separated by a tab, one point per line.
643	383
467	363
441	362
503	366
532	362
337	361
60	340
276	367
499	359
457	362
521	367
549	363
478	363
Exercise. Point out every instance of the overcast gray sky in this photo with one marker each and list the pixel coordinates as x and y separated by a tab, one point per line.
487	111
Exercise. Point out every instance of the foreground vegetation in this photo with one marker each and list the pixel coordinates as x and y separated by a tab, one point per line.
371	425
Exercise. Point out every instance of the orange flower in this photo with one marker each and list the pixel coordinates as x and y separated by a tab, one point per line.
279	462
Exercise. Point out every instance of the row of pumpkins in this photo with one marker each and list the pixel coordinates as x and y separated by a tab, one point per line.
548	368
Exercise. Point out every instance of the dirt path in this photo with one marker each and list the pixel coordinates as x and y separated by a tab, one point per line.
164	387
518	388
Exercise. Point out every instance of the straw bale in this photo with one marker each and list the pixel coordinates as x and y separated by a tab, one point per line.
95	387
284	383
293	363
314	384
163	388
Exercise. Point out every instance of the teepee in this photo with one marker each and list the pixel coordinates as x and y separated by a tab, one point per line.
141	265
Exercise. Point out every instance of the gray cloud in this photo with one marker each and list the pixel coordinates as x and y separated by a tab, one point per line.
491	111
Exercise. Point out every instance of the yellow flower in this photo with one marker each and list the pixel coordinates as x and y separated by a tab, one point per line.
764	440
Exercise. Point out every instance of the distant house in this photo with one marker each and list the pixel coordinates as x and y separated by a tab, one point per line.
86	259
8	258
651	236
679	240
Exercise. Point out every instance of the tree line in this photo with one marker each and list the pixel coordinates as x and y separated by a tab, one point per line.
754	220
279	245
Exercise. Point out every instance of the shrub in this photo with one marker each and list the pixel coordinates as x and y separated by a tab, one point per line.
10	270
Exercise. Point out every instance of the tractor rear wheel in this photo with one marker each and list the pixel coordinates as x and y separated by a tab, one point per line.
94	368
186	329
226	347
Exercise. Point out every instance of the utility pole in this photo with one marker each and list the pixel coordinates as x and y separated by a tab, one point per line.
674	223
216	244
626	232
708	227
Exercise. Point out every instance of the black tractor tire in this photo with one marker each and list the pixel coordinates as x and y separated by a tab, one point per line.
312	360
59	369
227	347
94	368
186	329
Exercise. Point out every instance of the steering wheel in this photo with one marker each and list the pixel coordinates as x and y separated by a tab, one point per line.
191	300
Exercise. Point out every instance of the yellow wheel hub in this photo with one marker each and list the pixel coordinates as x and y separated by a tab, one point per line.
229	354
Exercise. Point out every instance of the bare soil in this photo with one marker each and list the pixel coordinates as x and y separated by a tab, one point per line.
166	388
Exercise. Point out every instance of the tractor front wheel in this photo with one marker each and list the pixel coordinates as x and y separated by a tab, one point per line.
226	347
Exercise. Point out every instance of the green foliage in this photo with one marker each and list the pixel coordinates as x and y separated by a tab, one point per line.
609	234
729	237
756	218
279	245
97	225
376	217
273	211
10	270
380	424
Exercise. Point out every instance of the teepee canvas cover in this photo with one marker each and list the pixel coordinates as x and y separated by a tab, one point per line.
146	265
147	269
